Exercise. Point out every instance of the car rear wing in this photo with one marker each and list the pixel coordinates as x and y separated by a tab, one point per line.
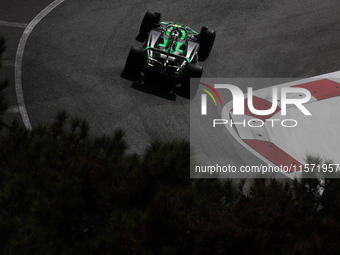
167	53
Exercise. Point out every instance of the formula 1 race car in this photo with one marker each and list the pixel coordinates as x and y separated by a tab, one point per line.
170	49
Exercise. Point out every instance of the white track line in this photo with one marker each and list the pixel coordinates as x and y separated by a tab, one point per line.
19	56
12	24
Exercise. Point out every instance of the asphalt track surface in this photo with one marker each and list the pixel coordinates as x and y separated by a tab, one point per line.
74	58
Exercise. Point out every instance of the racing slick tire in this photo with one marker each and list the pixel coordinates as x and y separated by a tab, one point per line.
135	60
191	71
207	39
150	18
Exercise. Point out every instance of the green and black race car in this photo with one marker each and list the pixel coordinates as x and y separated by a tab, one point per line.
170	49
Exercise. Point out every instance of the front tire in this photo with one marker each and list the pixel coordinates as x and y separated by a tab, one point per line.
150	18
135	60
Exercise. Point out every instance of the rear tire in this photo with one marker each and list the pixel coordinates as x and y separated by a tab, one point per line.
150	18
207	39
135	60
191	71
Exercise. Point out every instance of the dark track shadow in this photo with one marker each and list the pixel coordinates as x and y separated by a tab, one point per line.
180	92
140	38
127	76
202	57
158	86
